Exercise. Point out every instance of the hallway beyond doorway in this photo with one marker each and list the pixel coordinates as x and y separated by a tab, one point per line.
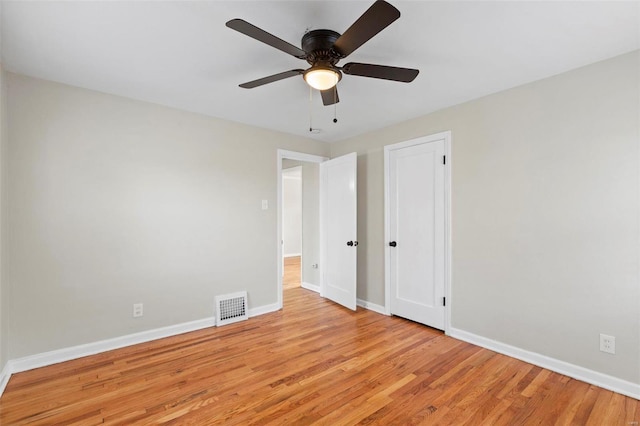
292	277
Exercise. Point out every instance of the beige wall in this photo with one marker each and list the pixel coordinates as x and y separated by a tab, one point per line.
114	201
545	209
3	206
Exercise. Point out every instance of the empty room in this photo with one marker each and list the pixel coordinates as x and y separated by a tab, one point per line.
320	212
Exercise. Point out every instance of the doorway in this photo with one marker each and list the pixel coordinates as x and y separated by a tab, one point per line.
299	248
292	221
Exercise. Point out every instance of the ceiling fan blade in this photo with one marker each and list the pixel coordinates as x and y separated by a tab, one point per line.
330	96
405	75
378	17
261	35
271	79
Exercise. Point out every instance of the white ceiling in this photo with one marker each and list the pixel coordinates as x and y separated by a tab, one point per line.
182	55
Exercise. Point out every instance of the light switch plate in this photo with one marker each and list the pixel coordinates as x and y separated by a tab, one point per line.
137	310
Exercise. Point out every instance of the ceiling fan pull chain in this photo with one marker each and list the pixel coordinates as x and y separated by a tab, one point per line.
335	103
310	100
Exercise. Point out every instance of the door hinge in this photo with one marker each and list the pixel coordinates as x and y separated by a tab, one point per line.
444	159
444	301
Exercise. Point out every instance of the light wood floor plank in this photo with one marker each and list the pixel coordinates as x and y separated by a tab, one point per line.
292	273
311	363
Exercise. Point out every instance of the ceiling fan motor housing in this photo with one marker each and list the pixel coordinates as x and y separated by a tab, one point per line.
318	44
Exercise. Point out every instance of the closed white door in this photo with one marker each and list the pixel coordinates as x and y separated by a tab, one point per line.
416	230
338	222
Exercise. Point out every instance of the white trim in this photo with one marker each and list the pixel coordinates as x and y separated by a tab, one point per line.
261	310
322	227
5	376
387	237
292	255
290	155
580	373
372	307
448	224
299	156
312	287
638	210
67	354
448	256
288	177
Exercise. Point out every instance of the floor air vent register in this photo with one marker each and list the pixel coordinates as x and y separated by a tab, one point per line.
231	308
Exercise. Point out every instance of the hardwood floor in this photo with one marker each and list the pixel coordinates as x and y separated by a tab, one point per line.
313	362
292	273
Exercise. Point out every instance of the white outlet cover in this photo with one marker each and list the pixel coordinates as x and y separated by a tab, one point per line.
137	310
608	344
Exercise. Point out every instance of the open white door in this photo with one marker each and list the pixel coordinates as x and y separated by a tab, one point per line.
338	229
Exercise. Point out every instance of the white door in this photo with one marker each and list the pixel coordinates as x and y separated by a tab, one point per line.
338	229
416	230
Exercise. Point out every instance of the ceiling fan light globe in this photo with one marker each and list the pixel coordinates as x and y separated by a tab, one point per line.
321	78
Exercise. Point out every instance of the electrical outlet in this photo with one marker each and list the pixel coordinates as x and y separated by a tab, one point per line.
607	344
137	310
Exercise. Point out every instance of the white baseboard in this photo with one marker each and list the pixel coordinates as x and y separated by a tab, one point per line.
67	354
5	376
261	310
371	306
580	373
292	255
311	287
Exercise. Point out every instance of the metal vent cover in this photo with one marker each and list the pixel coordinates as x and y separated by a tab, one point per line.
231	308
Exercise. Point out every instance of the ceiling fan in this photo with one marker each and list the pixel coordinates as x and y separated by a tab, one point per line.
323	49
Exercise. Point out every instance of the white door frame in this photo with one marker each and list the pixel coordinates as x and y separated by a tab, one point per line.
289	155
446	136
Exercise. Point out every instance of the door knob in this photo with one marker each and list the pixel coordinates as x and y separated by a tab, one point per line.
392	244
350	243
